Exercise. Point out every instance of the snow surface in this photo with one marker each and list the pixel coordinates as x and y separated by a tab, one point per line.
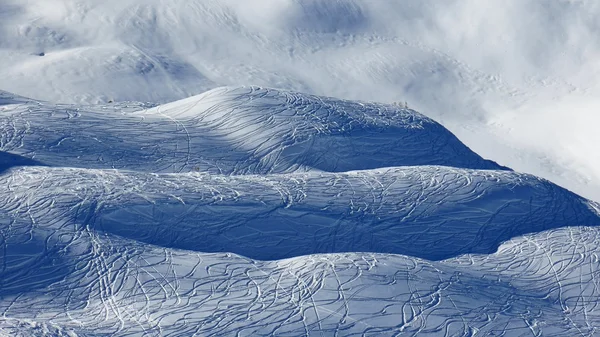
516	80
230	213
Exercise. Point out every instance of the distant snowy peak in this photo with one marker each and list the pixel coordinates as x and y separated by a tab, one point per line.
234	130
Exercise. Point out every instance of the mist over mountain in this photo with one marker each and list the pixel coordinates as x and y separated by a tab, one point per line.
287	167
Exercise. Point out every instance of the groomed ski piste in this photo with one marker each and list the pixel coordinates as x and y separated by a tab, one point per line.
249	211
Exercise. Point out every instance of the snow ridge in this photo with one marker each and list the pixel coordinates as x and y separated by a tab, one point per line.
234	130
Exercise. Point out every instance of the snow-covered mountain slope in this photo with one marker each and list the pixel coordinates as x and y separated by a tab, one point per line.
62	274
233	130
308	216
516	80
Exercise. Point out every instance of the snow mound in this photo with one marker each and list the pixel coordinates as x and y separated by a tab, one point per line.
425	211
237	130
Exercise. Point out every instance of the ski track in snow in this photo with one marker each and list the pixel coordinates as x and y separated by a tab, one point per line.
229	214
